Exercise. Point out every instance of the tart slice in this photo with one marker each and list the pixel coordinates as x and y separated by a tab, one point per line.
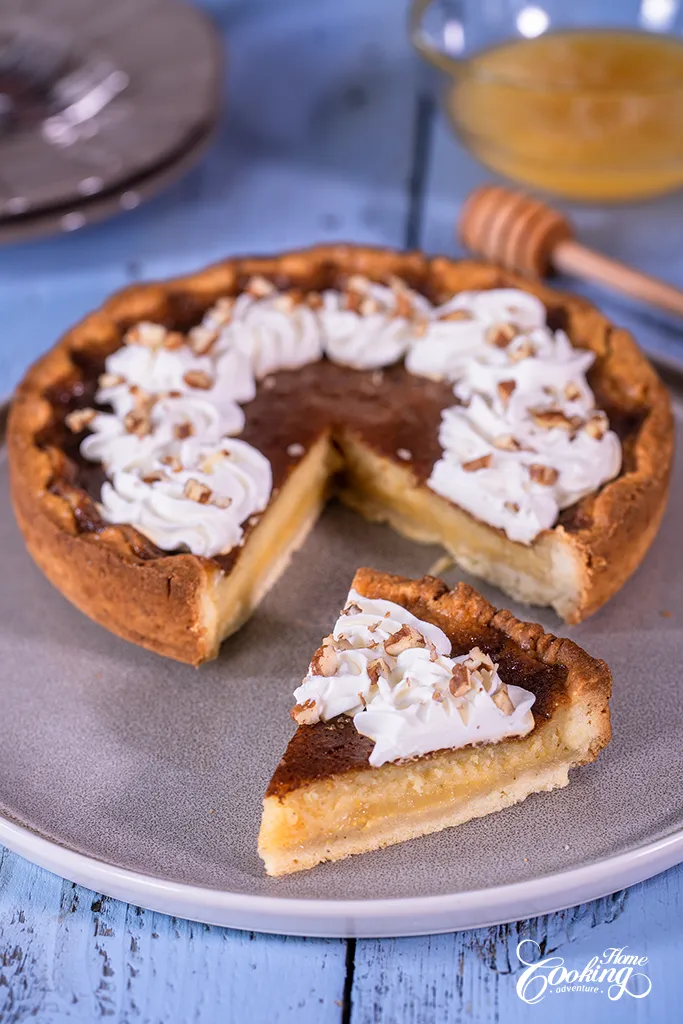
425	708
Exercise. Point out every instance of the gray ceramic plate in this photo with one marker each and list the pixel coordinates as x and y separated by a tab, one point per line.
143	778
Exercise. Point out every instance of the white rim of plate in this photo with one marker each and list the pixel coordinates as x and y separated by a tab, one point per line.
323	918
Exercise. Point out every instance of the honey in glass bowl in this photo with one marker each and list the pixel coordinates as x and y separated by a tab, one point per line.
592	114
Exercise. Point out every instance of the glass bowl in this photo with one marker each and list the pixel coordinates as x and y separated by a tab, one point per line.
580	99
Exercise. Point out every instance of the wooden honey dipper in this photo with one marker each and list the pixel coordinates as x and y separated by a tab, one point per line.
525	235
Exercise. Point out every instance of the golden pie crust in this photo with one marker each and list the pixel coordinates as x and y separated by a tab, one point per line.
326	802
171	603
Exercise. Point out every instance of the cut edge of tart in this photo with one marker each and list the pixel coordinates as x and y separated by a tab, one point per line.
182	605
325	800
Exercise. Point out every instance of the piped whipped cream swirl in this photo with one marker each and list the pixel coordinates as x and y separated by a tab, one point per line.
271	330
522	441
370	325
175	470
197	499
394	675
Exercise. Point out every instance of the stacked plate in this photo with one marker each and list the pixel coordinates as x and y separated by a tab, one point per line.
101	105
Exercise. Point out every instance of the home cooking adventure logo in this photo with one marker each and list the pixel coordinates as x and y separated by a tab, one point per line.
615	973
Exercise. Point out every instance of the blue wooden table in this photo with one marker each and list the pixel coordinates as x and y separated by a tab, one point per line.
332	133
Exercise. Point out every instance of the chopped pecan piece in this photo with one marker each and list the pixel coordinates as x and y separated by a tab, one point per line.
154	477
325	661
377	668
195	490
260	287
457	314
572	392
79	419
544	475
522	351
551	419
369	306
208	463
507	443
358	283
460	680
597	425
306	713
402	640
138	423
463	710
221	314
512	506
404	306
500	335
501	698
342	643
505	389
485	676
397	284
181	431
221	501
147	334
172	461
477	660
143	401
483	462
110	380
437	695
198	379
202	339
352	609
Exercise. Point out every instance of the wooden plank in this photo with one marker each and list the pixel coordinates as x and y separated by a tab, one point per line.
472	976
29	906
67	954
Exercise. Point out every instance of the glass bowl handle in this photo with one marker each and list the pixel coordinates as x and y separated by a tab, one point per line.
422	43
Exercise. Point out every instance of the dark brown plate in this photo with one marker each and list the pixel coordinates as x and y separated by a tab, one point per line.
128	196
106	97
